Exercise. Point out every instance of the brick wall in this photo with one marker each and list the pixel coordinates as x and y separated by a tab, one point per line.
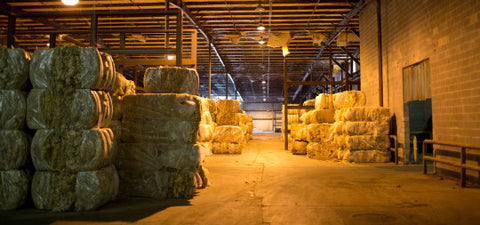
448	34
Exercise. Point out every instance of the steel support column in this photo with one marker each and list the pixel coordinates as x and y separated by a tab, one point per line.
179	39
11	31
93	30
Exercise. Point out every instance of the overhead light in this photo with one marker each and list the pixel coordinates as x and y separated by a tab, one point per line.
261	42
70	2
264	99
48	44
259	8
264	82
261	27
285	51
170	57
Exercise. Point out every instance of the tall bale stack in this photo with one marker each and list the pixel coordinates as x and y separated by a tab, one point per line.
70	106
245	122
228	137
14	143
293	118
361	134
159	156
298	131
207	126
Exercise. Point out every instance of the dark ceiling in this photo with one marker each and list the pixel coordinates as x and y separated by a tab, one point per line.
256	70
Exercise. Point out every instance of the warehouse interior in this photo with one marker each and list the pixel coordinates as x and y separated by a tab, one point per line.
288	80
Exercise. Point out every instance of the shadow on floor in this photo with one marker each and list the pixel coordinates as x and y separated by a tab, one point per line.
123	209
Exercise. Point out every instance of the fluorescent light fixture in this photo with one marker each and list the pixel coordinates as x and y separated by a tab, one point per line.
264	99
261	27
259	8
70	2
170	57
264	82
261	42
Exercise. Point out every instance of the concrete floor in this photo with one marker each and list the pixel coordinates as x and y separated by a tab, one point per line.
267	185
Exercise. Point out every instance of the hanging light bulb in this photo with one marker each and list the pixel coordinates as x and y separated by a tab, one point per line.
285	51
70	2
261	27
261	42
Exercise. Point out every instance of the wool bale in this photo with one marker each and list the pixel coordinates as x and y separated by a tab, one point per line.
14	67
298	147
212	108
69	108
321	150
318	116
14	149
157	184
205	132
324	101
381	114
69	67
117	107
317	132
107	80
156	105
72	150
367	156
348	99
299	131
310	102
363	142
116	127
64	191
165	130
206	117
226	112
171	80
206	147
227	148
158	156
13	108
122	86
365	128
14	188
228	133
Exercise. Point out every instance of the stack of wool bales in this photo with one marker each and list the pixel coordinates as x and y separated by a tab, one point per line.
14	144
207	125
158	156
293	118
70	108
318	127
361	134
228	137
245	122
298	133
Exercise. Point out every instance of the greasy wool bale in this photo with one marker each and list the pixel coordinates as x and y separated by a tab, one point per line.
318	116
14	67
228	133
171	80
205	147
165	130
226	148
324	101
365	128
205	132
14	188
122	86
317	132
13	108
109	72
381	114
154	106
63	191
226	112
14	148
72	150
158	156
68	108
68	67
363	142
206	117
320	150
116	127
212	108
117	102
348	99
367	156
157	184
299	131
298	147
310	102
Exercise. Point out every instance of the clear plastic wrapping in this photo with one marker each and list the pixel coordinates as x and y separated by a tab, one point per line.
122	86
317	132
14	188
163	129
318	116
69	108
226	112
14	67
348	99
226	133
380	114
321	150
72	150
362	142
14	149
298	147
13	108
205	132
171	80
226	148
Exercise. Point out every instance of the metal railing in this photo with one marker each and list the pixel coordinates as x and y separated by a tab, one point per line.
395	147
463	158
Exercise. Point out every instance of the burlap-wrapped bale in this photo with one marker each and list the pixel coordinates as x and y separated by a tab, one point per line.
117	107
171	80
298	147
158	156
69	67
72	150
381	114
68	108
14	67
318	116
226	148
362	128
348	99
122	86
82	191
14	188
367	156
226	112
158	184
14	148
363	142
317	132
226	133
321	150
324	101
13	108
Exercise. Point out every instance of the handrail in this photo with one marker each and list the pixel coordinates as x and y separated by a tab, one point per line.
463	158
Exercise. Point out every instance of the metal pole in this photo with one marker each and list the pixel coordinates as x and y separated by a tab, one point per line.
209	70
285	103
380	53
179	39
93	30
52	40
331	69
11	31
226	85
424	151
463	171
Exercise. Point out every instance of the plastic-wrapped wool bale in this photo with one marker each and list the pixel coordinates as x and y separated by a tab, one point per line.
361	134
348	99
212	108
159	156
171	80
227	139
299	134
206	127
319	143
227	110
14	142
70	106
246	124
293	118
